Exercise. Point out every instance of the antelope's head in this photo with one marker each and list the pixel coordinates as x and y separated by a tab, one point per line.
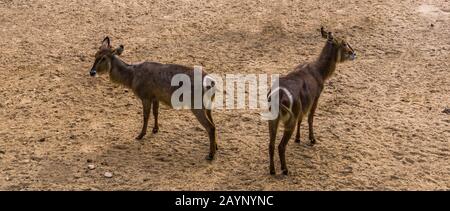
344	51
103	57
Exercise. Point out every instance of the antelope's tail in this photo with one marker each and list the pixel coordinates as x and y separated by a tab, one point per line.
283	100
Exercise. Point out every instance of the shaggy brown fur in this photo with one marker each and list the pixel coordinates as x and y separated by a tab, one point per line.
151	82
305	84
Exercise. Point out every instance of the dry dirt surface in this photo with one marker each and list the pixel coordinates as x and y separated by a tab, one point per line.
380	123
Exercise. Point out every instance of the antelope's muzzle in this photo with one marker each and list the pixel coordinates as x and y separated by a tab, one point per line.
353	56
93	72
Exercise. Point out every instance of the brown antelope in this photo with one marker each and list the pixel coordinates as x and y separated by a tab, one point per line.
299	92
151	82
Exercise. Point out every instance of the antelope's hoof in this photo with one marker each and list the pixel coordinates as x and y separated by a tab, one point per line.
312	141
155	130
210	157
297	140
286	172
272	171
140	136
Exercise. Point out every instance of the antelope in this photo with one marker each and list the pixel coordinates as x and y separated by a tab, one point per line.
151	83
299	92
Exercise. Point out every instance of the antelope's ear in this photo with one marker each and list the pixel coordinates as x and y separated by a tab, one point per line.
326	35
323	32
106	43
118	51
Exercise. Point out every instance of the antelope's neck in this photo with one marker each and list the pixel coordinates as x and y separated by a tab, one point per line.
326	63
121	72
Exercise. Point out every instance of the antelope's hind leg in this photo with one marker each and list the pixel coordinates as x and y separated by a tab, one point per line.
289	128
202	117
209	114
273	127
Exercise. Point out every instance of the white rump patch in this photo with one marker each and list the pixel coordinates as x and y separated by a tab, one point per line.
287	92
207	80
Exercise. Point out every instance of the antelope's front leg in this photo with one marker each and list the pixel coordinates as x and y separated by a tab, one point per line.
147	106
155	115
312	139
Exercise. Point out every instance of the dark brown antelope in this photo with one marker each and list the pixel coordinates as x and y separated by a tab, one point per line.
151	82
299	92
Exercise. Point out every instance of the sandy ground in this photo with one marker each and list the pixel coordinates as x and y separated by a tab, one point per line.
380	123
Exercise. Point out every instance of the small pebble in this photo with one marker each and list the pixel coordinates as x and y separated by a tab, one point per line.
409	160
108	175
41	140
394	177
91	166
36	158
